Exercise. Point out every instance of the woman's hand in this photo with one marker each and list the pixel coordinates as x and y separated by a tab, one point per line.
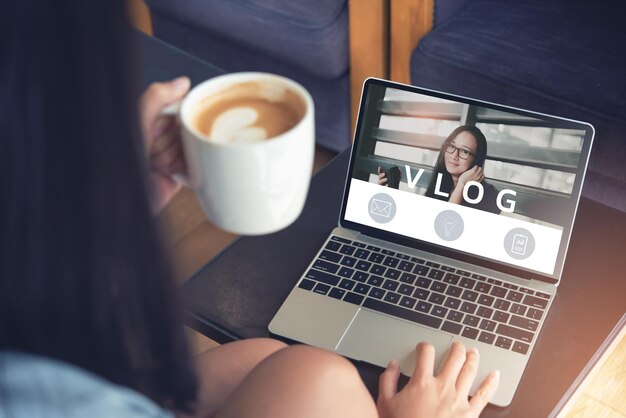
444	395
162	140
382	177
475	173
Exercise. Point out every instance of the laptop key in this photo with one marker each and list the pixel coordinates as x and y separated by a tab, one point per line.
435	274
423	282
502	304
431	264
407	278
469	295
452	327
347	284
515	333
391	261
504	342
455	316
469	332
510	286
436	298
408	302
306	284
375	280
501	317
423	306
494	281
372	248
346	272
330	256
376	258
392	273
518	309
454	291
486	337
535	302
362	254
468	307
403	256
534	314
484	312
379	270
392	297
520	347
360	276
487	325
482	287
439	311
485	300
321	288
406	289
498	292
390	285
336	293
467	283
452	303
358	244
421	270
447	268
388	252
406	266
515	296
471	320
363	265
345	241
403	313
347	249
320	276
354	298
348	261
333	246
451	278
326	266
524	323
421	294
377	293
526	290
543	295
363	288
438	287
479	277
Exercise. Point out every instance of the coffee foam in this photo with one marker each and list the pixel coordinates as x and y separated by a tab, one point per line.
248	112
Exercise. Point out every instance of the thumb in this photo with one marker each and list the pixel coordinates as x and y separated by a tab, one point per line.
159	95
388	383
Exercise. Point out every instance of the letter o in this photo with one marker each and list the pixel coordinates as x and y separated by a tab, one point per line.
481	192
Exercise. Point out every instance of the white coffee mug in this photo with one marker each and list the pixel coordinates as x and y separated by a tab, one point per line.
249	188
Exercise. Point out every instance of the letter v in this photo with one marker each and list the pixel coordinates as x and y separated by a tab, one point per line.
413	182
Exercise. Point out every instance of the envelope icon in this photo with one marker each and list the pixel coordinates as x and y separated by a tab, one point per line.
380	208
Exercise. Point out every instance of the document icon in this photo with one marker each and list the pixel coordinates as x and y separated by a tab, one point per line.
380	208
519	244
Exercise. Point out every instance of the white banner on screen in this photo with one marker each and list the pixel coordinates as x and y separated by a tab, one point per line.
483	233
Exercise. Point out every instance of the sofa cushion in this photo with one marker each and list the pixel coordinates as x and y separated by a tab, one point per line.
558	57
312	35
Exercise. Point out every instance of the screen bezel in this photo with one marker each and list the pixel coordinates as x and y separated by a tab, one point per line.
455	254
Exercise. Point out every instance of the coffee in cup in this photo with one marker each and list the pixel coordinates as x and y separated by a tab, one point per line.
249	142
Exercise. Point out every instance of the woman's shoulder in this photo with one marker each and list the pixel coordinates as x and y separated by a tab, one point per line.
38	386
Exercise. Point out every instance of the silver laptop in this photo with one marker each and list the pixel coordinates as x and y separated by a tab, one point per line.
455	223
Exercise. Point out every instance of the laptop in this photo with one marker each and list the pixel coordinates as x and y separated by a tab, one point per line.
416	257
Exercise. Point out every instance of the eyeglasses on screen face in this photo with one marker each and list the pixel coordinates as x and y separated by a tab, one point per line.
462	152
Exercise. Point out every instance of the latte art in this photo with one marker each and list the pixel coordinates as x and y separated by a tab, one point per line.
248	113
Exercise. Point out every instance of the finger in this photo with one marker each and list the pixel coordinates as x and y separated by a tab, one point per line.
379	171
485	392
179	166
388	382
158	96
454	362
424	361
166	140
165	160
382	176
468	372
382	181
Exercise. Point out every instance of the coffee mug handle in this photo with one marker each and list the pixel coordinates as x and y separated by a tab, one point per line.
174	110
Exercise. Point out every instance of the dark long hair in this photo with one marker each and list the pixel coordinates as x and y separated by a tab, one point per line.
447	183
83	277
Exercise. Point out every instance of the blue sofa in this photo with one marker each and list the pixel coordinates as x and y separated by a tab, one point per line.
301	39
562	57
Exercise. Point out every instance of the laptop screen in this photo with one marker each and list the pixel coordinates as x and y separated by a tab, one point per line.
488	184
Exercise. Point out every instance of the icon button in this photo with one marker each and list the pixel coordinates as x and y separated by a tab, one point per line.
382	208
449	225
519	243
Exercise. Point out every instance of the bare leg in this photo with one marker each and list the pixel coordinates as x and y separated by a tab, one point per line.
223	368
301	382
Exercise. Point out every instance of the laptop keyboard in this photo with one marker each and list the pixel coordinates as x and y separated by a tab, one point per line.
439	296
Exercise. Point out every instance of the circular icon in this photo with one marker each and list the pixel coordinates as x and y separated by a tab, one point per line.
519	243
382	208
449	225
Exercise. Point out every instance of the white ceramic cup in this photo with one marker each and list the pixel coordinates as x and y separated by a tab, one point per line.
249	188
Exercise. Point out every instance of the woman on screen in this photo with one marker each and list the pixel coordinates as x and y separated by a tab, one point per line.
460	161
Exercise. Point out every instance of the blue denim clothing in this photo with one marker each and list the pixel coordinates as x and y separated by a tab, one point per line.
32	386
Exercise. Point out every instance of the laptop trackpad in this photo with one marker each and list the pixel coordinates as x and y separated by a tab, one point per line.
377	338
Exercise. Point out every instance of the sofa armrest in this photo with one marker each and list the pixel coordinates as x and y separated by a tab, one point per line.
369	20
409	21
